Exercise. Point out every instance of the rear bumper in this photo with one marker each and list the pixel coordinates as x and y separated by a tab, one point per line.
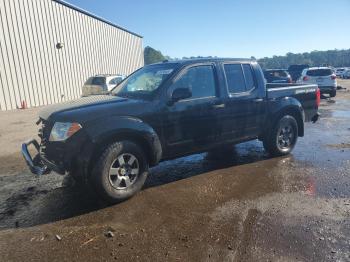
38	165
327	89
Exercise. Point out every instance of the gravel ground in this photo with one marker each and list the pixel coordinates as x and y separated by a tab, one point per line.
242	206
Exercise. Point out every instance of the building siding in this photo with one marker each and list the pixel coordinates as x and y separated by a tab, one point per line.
33	70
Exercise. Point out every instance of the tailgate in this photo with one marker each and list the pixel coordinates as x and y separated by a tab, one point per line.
305	94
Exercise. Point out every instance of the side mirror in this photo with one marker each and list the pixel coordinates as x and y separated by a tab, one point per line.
181	93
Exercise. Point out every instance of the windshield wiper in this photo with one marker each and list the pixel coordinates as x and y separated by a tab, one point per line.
134	94
125	95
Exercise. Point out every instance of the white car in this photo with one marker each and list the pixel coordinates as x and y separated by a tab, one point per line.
101	84
324	77
346	74
339	71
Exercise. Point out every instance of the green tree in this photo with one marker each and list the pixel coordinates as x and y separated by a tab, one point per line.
336	58
152	56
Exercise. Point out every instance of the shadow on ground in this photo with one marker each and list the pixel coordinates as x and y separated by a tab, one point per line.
37	205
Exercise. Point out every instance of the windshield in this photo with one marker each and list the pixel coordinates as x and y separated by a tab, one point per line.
144	81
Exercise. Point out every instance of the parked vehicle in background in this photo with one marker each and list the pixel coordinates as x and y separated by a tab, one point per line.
346	74
295	71
324	77
164	111
101	84
277	76
339	72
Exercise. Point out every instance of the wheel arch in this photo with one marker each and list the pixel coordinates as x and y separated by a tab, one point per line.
151	148
106	131
299	117
294	110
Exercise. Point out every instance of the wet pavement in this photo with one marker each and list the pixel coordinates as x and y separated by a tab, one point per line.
240	205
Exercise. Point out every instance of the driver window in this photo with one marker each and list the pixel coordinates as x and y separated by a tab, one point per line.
200	79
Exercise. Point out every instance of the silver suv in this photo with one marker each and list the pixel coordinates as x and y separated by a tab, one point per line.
101	84
324	77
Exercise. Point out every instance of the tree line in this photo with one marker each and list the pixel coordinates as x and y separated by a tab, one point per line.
335	58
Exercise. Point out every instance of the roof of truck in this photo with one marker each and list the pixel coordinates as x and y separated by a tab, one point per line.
204	60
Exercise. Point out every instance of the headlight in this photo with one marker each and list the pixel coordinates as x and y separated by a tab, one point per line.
62	131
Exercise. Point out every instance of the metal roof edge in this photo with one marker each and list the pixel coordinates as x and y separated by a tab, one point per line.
94	16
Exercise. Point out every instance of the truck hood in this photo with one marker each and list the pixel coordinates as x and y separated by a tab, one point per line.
79	104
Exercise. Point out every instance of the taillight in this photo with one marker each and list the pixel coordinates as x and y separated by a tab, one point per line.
318	97
289	80
305	78
333	77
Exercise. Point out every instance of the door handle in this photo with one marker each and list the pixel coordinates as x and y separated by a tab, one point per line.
218	106
258	100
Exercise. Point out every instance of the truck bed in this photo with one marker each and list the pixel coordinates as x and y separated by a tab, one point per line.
305	94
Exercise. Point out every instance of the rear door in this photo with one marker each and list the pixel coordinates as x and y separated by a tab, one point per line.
245	107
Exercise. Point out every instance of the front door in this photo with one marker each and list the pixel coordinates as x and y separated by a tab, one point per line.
193	123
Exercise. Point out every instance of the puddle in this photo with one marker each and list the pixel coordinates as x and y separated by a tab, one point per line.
341	114
336	114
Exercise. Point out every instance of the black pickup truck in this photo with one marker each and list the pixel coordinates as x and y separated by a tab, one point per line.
164	111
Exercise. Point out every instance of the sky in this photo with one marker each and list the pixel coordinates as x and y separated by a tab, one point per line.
230	28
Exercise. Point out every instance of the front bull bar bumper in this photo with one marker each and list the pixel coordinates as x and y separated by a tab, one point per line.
36	165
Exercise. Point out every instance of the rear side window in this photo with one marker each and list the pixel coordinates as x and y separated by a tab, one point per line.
239	77
319	72
235	78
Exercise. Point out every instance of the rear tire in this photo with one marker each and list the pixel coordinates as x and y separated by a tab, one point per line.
282	137
120	172
333	93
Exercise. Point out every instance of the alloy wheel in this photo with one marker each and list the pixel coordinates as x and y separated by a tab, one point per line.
124	171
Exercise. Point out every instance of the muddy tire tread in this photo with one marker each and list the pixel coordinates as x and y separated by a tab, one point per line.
98	182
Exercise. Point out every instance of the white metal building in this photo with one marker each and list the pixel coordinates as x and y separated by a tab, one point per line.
48	48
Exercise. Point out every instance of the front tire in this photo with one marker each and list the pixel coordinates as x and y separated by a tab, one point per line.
282	137
120	172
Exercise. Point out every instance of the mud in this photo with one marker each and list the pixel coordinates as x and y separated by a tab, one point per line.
240	205
342	145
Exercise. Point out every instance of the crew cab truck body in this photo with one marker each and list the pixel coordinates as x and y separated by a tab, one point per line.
164	111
